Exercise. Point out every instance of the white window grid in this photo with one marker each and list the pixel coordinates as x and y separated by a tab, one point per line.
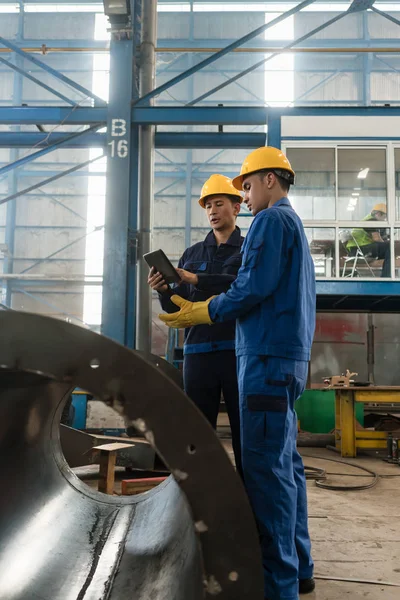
392	223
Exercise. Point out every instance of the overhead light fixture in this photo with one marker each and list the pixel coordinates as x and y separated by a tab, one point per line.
118	13
116	7
353	201
355	194
363	173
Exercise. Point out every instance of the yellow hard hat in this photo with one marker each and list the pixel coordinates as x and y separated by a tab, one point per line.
380	208
218	184
266	157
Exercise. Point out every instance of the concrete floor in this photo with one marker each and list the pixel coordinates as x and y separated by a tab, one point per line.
355	534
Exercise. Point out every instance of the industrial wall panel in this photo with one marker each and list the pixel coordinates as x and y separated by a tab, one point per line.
42	243
250	85
71	184
65	156
172	26
171	241
53	26
6	86
170	212
382	28
66	302
226	25
71	268
3	213
63	61
45	211
387	349
350	27
340	343
32	91
8	26
385	86
343	87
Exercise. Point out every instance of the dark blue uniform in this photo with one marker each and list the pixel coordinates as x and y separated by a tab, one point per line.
273	300
209	366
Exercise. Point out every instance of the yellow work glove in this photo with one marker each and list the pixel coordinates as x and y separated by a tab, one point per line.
191	313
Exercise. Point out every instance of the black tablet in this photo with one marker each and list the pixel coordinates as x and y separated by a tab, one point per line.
160	262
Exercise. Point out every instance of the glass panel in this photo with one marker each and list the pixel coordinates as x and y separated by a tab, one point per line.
361	183
397	252
364	252
322	247
313	196
397	181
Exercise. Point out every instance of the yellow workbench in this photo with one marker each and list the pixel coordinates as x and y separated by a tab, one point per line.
347	437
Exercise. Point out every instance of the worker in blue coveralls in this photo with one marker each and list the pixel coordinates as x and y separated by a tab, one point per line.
273	302
207	268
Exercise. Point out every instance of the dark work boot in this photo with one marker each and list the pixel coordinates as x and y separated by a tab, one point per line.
306	586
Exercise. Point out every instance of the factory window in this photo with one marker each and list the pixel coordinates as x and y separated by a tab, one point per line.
346	187
322	246
361	182
313	196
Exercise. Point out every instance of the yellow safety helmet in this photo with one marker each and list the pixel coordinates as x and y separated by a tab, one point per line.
380	208
218	185
266	157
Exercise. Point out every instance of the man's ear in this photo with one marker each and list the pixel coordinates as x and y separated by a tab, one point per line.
236	208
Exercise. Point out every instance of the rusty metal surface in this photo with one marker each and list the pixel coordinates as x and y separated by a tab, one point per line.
193	537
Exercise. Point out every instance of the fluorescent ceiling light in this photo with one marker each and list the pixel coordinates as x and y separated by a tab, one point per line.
9	8
173	7
116	7
63	8
355	194
363	173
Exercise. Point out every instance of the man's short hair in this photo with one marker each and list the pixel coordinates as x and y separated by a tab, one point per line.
279	174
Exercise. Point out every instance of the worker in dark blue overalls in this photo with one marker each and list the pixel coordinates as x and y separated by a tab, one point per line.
273	300
208	268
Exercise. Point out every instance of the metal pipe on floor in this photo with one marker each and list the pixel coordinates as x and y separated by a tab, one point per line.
146	177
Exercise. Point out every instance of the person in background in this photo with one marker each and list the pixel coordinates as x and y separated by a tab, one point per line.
273	299
208	268
370	240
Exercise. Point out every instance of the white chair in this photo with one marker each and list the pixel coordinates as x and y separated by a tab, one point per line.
345	236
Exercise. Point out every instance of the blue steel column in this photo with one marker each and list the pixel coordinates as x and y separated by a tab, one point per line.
116	231
274	130
189	156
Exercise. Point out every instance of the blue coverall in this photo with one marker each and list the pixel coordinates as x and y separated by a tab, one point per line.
209	365
273	300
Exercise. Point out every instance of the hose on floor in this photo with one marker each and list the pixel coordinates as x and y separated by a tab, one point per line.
320	476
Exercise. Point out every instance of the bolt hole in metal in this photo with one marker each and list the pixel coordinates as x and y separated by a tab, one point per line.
191	449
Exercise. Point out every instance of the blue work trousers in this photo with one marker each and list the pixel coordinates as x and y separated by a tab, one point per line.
273	469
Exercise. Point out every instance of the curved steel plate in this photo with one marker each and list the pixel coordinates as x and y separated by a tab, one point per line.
60	540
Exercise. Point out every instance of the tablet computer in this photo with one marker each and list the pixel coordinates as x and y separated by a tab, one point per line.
161	263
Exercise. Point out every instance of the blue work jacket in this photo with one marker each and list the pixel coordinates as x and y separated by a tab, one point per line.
216	268
273	296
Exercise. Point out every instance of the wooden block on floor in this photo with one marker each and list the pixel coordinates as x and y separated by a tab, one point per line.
131	487
108	458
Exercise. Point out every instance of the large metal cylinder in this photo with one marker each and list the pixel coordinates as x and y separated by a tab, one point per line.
193	537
